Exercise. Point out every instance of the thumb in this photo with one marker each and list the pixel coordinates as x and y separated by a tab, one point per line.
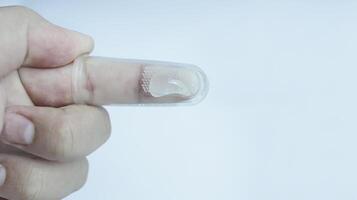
28	39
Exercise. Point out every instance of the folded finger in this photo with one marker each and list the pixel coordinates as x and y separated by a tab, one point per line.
56	133
26	178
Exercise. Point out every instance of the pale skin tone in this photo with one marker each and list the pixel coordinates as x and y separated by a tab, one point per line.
50	102
51	163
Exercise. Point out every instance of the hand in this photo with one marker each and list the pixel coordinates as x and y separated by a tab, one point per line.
45	133
43	149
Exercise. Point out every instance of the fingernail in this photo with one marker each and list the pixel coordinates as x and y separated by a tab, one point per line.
18	129
2	175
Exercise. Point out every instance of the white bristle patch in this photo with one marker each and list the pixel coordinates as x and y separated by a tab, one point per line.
145	80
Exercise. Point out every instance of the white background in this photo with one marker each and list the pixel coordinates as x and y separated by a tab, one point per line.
280	118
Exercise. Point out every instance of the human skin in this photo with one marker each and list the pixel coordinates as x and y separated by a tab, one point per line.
44	138
51	94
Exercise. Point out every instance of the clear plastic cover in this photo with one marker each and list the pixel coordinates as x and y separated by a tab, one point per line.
99	80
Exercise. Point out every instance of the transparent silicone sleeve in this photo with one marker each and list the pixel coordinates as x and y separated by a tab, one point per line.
108	81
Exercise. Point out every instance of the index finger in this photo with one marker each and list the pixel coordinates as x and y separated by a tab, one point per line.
105	81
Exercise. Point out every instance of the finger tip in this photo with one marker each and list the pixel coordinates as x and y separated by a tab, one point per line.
53	46
84	42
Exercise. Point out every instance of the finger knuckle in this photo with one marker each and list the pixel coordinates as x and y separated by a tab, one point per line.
31	184
107	125
62	144
84	168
